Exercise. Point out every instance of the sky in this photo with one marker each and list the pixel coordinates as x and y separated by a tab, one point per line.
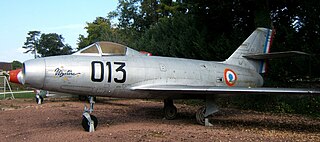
64	17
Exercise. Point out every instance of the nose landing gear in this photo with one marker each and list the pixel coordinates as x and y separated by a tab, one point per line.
39	99
89	122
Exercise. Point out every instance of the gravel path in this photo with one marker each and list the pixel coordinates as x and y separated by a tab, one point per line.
141	120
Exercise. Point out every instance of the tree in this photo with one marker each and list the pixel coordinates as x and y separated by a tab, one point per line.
16	65
175	37
213	28
52	44
99	30
32	43
46	45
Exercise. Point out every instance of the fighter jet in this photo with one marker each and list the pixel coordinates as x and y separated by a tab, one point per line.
113	70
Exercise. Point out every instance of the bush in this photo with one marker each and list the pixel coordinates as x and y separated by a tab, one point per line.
297	104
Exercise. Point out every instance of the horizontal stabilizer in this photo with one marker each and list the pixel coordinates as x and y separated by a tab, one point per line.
274	55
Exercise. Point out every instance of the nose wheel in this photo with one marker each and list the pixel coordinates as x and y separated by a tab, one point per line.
89	122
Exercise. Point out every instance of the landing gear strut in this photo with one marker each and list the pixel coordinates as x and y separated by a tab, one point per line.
89	122
204	112
84	98
170	111
39	99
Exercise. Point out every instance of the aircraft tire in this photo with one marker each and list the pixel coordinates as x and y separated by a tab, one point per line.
170	112
41	99
85	123
200	115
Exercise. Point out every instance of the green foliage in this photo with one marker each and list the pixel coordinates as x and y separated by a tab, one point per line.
99	30
296	30
32	42
52	44
16	65
308	105
165	38
46	45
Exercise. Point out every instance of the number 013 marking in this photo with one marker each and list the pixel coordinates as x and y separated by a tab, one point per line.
98	65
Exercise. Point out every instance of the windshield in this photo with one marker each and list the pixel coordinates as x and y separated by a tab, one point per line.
91	49
110	48
105	48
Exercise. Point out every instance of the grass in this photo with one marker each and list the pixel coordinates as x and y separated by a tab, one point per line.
21	95
24	95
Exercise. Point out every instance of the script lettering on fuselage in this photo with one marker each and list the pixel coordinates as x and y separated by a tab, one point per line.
61	73
99	66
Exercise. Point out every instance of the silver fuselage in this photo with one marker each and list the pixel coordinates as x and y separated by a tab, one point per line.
114	76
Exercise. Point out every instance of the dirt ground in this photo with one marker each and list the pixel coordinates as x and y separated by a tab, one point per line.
141	120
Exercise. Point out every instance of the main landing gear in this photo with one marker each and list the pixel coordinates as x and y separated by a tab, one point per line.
89	122
170	111
205	111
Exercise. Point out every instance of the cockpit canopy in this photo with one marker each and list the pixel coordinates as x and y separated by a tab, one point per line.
104	48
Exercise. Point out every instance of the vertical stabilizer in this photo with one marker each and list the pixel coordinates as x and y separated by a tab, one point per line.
258	42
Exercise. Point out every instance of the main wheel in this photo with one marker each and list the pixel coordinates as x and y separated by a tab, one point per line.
200	115
170	112
39	100
86	125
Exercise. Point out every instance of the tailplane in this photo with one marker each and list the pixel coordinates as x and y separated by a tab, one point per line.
259	42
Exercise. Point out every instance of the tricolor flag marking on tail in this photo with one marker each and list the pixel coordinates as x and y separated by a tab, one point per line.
266	49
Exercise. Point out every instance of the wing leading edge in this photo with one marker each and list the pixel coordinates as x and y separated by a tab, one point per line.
183	89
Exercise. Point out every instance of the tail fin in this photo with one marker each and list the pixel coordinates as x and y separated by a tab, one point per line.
258	42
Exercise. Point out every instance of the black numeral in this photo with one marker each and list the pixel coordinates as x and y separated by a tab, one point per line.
93	73
109	71
120	68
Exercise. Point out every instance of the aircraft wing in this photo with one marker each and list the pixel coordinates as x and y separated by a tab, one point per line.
184	89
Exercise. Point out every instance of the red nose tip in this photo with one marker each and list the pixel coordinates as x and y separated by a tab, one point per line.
15	76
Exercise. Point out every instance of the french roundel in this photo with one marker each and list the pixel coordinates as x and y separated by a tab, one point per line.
230	77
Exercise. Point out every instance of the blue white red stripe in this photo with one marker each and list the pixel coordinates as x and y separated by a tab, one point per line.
266	49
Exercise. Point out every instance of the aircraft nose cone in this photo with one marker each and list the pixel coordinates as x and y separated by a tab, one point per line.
34	72
16	76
